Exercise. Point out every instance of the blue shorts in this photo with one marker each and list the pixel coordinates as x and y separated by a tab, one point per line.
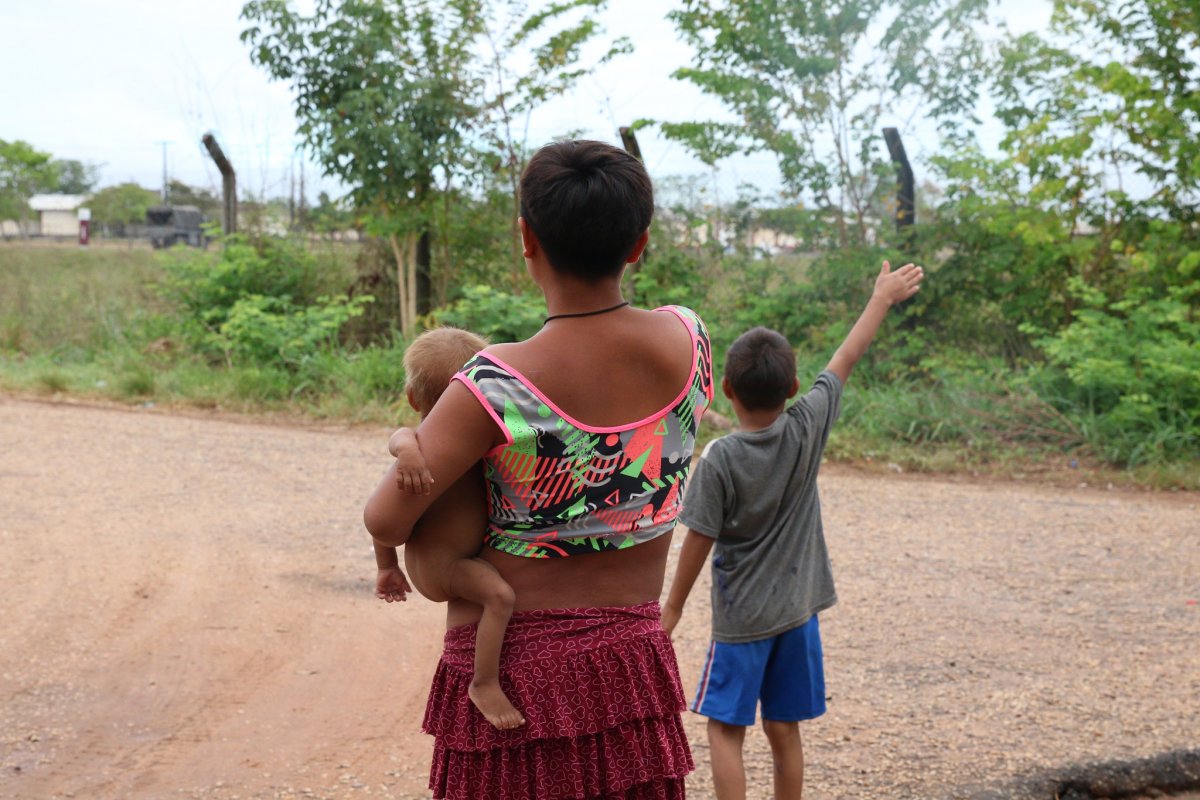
786	672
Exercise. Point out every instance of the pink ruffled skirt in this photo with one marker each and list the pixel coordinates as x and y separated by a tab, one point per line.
600	692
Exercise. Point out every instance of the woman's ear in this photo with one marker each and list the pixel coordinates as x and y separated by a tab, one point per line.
638	247
529	239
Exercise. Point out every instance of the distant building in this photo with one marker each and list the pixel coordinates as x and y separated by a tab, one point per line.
56	215
770	241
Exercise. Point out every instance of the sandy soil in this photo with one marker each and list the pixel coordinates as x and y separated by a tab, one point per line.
188	613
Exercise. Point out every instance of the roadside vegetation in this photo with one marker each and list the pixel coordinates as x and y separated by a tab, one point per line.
1058	331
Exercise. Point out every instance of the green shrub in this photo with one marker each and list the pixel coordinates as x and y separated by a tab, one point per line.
1131	370
52	381
498	315
260	329
138	381
207	285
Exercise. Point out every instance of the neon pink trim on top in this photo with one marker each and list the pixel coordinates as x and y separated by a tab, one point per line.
461	378
591	428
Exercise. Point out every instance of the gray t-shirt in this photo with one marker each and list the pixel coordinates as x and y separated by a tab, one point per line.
756	493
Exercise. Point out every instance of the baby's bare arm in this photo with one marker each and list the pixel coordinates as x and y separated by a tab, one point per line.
390	583
412	474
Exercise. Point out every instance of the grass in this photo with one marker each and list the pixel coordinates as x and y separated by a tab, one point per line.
65	298
90	324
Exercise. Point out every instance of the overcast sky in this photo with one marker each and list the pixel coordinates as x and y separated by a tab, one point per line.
109	82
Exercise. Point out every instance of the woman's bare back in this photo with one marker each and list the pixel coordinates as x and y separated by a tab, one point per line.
610	370
637	363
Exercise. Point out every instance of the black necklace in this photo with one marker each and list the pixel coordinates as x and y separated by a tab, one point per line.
585	313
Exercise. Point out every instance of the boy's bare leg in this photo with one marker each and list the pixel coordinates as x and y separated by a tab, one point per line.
725	752
787	753
476	580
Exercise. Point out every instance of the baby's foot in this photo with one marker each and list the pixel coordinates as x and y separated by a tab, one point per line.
489	698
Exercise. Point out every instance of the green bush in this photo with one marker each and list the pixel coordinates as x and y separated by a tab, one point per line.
207	285
1131	369
497	315
260	329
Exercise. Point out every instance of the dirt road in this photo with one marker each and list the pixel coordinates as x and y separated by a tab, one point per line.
188	613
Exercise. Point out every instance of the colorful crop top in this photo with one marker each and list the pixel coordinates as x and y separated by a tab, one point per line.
560	488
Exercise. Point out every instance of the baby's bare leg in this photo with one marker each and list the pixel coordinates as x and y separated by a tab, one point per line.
478	581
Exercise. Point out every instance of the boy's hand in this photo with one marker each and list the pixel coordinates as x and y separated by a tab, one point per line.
391	585
896	287
670	618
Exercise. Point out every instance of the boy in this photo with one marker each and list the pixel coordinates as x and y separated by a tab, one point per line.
440	555
754	493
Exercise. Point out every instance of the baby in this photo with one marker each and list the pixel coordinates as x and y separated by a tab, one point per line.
441	554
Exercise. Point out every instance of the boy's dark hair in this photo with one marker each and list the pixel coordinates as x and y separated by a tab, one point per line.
761	369
587	202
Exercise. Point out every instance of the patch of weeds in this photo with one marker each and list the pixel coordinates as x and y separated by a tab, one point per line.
260	385
51	381
137	382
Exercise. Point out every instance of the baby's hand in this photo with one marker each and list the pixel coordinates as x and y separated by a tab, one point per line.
391	585
412	476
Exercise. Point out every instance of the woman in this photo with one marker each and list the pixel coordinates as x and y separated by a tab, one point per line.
586	431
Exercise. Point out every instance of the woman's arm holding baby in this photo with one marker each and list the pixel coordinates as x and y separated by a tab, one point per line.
456	434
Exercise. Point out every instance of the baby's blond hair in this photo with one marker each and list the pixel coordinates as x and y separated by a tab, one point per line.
433	358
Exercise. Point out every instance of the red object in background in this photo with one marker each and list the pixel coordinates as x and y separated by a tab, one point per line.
85	225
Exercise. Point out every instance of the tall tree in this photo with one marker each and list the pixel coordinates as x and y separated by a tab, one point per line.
114	207
1098	180
75	177
420	106
808	81
383	92
532	58
24	172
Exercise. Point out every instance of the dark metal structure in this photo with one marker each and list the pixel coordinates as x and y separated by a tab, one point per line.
228	183
168	225
905	193
630	142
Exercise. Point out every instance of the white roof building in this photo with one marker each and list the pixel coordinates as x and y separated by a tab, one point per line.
56	213
56	202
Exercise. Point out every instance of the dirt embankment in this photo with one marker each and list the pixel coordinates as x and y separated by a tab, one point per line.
188	613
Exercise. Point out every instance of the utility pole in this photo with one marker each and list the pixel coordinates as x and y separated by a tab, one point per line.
164	183
303	221
292	195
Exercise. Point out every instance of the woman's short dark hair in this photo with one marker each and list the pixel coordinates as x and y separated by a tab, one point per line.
587	202
761	369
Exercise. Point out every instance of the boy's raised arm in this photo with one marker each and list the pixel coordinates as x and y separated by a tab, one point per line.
890	288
